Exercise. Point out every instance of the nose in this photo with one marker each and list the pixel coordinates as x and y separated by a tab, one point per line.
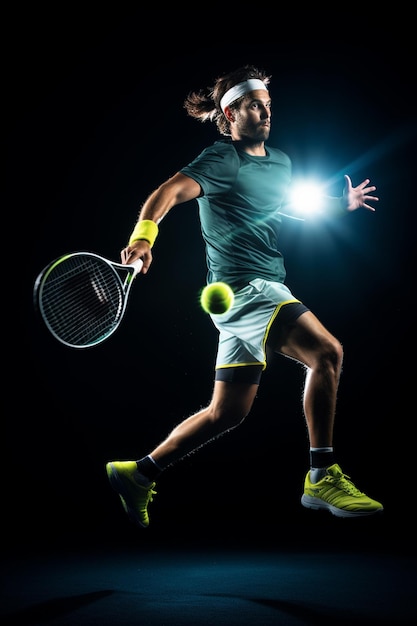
265	112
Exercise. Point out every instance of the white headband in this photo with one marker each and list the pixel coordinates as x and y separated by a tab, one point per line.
239	90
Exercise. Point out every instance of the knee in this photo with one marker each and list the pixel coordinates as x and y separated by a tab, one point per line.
231	404
331	356
337	350
230	417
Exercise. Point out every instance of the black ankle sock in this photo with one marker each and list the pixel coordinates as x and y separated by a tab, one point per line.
319	458
148	468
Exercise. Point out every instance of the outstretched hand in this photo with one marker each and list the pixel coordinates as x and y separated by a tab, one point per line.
358	197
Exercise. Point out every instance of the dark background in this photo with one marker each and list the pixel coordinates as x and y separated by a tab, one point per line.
96	122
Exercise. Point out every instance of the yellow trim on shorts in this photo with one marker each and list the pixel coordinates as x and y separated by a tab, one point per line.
227	365
271	321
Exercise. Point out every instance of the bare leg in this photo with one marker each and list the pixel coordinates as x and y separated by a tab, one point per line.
308	341
230	404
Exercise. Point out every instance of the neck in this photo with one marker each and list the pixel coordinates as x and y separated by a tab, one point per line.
254	148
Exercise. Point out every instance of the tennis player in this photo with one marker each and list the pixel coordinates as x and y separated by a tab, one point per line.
241	186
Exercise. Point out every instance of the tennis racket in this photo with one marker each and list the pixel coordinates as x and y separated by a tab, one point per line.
82	297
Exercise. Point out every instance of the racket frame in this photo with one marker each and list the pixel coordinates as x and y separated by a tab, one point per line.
131	270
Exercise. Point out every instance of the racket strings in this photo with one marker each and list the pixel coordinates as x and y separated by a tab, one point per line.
82	300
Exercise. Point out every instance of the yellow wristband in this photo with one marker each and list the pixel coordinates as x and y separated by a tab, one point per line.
145	229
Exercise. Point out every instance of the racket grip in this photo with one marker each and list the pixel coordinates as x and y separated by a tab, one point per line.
137	265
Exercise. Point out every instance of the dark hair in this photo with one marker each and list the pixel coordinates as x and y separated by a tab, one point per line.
204	105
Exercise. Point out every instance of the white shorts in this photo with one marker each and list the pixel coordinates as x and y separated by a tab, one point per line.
243	329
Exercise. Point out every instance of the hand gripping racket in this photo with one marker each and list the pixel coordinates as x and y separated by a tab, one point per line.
82	297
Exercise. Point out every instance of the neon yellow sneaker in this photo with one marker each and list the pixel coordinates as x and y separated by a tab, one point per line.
123	476
336	493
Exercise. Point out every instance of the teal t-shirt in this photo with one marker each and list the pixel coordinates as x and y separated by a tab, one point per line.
239	211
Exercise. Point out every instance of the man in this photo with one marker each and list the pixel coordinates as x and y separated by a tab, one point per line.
241	185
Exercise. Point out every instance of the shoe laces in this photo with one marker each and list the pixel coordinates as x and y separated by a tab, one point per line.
344	483
151	494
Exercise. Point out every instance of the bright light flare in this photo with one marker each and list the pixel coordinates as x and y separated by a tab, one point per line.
306	197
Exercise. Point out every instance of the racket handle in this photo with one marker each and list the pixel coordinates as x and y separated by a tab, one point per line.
137	265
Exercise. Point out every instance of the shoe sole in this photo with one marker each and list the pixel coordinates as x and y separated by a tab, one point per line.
117	485
310	502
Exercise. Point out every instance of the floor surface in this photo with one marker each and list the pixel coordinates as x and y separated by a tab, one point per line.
145	579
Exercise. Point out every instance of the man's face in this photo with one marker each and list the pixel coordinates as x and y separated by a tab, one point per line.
253	118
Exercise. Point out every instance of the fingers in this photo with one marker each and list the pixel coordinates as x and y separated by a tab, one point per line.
359	196
123	256
135	252
129	255
126	255
368	207
367	199
365	191
364	183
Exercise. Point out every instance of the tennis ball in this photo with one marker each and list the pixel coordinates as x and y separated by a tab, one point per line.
217	298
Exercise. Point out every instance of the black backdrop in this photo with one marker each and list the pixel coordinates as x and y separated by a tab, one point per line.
95	124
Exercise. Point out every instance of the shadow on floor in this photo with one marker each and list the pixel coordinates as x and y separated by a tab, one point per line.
205	585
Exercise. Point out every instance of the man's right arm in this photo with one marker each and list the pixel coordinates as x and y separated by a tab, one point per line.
176	190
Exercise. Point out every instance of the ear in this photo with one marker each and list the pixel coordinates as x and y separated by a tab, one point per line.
229	114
